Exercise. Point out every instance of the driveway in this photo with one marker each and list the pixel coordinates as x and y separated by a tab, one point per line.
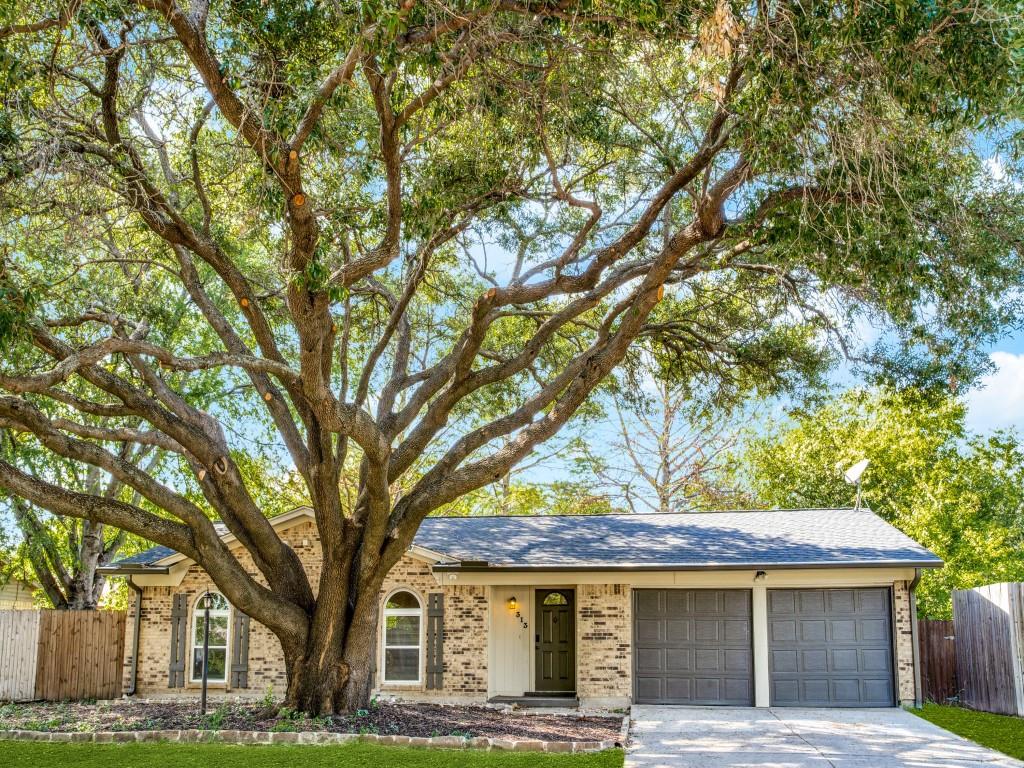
696	737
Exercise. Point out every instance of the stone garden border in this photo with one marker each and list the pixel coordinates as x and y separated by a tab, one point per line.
195	736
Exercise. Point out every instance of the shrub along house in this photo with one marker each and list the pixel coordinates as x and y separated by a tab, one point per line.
784	607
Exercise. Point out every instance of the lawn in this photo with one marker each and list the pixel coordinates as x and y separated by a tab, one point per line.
41	755
1000	732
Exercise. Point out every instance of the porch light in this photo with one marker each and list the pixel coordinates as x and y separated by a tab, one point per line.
513	604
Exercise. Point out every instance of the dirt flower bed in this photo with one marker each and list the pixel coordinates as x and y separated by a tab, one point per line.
380	718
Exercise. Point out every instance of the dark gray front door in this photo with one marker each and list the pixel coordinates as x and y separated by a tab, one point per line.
831	647
556	640
692	646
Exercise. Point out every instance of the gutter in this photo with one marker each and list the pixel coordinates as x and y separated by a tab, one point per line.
915	651
132	569
136	626
476	566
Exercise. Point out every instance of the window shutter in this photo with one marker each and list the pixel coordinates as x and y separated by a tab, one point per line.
435	641
179	641
239	651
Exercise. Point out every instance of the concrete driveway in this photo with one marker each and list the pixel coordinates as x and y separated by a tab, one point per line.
696	737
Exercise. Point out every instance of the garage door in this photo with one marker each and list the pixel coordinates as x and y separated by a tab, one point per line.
830	647
692	646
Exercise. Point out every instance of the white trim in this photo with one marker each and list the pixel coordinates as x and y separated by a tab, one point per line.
762	661
385	612
196	610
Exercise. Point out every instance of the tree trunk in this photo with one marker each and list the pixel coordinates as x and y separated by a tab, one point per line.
329	676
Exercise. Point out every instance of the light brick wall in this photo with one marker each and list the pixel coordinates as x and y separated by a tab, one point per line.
465	636
904	643
604	630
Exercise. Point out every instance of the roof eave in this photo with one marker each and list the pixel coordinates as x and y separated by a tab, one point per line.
464	568
132	569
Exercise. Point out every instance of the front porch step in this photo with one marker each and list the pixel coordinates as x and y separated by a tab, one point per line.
538	701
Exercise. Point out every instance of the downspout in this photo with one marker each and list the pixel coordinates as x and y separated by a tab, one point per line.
916	651
136	626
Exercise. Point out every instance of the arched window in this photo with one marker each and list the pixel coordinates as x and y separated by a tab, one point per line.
401	638
556	598
220	620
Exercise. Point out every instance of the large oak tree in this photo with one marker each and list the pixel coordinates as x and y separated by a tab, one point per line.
409	239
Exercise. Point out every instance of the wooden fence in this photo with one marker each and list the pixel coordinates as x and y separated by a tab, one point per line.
937	656
58	655
989	629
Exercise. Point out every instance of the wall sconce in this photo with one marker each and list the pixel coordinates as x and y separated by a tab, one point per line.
760	576
513	605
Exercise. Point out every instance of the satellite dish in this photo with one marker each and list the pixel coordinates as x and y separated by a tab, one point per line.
852	475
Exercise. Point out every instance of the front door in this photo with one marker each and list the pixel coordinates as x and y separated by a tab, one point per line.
556	641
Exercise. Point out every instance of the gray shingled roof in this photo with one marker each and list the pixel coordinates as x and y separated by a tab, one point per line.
685	540
810	537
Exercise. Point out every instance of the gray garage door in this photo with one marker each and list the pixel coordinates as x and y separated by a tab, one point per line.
830	647
692	646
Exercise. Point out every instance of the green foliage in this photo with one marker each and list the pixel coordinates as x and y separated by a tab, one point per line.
959	494
1001	732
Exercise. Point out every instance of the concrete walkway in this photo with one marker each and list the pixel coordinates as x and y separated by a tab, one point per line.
696	737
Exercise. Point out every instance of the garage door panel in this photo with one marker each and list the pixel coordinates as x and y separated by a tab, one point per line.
873	600
678	660
707	602
648	602
842	601
737	660
783	660
814	660
738	689
675	603
782	631
876	660
812	631
649	688
707	630
811	602
846	660
877	692
831	647
737	631
843	630
701	653
678	631
874	629
648	630
678	689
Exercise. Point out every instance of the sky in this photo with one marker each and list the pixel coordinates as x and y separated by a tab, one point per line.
998	402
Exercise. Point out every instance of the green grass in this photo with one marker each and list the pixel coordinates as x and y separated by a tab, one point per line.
1000	732
42	755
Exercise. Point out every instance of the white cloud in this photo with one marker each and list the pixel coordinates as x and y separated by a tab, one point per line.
998	402
996	169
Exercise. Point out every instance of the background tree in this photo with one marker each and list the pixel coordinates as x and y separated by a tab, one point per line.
958	493
669	452
221	218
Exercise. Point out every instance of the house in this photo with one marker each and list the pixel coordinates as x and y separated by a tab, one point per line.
809	607
16	593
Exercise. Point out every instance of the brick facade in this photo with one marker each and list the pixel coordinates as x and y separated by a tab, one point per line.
465	633
604	628
904	639
603	635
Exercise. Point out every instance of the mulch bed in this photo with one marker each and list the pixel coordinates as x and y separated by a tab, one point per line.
381	718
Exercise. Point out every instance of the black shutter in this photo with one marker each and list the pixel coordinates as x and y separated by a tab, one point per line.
435	641
240	651
179	636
